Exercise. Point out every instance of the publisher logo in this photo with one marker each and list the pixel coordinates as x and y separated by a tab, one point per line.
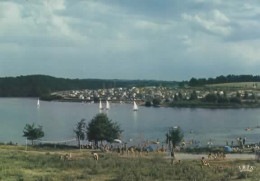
246	168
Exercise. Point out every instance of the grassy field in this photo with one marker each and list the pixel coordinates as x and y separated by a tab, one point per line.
244	85
45	164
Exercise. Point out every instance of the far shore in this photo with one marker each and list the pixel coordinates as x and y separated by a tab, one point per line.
181	104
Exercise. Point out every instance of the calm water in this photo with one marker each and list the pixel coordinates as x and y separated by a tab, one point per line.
59	118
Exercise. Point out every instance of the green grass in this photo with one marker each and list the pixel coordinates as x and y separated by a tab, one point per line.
18	164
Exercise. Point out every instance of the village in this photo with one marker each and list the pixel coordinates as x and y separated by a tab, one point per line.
163	94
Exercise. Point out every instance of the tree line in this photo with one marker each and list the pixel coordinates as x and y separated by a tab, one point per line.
224	79
40	85
99	129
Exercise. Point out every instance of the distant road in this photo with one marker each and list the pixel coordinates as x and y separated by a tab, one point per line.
185	156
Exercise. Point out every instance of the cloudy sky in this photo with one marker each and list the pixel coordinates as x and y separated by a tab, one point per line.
129	39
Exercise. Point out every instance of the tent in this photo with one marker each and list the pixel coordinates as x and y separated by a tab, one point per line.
117	141
151	148
228	149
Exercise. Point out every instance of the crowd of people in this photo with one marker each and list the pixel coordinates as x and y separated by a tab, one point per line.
124	149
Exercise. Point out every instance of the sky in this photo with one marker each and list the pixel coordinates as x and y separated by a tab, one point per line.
129	39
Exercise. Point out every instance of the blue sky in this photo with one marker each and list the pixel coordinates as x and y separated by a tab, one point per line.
132	39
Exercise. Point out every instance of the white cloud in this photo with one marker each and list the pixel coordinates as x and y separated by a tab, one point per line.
35	21
151	25
186	40
52	5
215	22
133	38
248	52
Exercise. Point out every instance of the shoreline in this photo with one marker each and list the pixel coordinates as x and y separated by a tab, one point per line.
201	105
216	106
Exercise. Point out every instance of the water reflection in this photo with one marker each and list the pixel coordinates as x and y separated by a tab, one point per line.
135	116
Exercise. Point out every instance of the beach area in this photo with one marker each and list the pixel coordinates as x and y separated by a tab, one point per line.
39	163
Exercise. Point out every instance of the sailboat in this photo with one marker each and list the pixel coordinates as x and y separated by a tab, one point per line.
100	105
38	103
135	108
107	105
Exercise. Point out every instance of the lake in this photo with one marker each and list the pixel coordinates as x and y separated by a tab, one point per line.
59	119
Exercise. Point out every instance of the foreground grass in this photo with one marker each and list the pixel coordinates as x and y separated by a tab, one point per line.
41	164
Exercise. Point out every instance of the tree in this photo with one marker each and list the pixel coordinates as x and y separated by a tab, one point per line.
176	97
193	82
148	103
193	95
235	100
238	95
246	96
180	96
156	102
96	99
223	99
174	135
101	128
33	133
211	98
80	130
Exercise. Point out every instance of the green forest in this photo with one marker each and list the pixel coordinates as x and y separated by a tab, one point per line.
224	79
40	85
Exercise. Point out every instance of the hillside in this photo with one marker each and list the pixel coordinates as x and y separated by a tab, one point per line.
240	85
39	85
224	79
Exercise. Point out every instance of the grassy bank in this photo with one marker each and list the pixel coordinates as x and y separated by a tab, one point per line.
201	104
42	164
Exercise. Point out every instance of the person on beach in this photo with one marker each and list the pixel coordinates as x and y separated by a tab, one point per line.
183	144
118	150
210	155
244	141
147	151
237	139
122	150
204	162
132	150
172	156
106	148
240	142
162	149
95	156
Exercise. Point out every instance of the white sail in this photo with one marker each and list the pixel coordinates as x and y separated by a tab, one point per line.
100	105
135	108
107	105
38	103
